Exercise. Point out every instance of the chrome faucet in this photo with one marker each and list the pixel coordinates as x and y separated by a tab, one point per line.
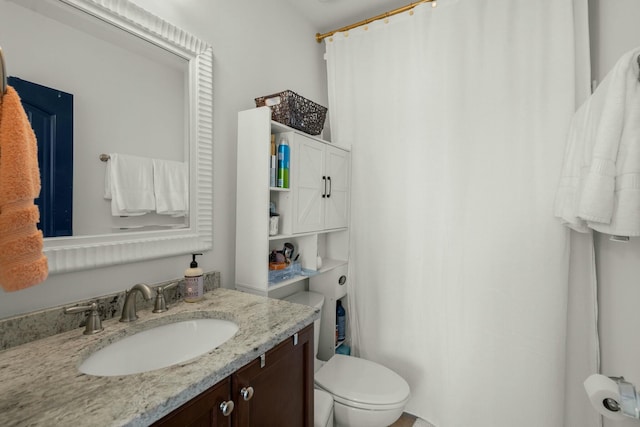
93	322
129	308
160	305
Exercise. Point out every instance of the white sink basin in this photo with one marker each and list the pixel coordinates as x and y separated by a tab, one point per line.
159	347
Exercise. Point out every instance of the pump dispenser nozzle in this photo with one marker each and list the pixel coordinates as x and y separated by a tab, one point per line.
194	264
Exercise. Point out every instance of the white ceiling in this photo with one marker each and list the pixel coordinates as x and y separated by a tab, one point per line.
328	15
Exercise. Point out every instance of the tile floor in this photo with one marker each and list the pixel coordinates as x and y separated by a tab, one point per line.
406	420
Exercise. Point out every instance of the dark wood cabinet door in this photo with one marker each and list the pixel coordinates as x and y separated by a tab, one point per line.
274	391
282	386
202	411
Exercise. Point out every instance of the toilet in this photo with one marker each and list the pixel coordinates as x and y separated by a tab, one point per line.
361	393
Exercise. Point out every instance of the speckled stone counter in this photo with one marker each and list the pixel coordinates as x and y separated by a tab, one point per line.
40	384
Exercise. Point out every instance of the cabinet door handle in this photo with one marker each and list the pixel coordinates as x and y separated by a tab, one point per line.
246	393
329	193
226	408
324	194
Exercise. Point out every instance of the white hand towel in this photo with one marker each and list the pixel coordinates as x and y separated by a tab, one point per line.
171	187
129	183
600	184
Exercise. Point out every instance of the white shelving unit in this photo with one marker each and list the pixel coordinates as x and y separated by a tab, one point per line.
313	212
334	289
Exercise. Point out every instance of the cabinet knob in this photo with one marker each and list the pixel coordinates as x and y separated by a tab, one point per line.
246	393
226	408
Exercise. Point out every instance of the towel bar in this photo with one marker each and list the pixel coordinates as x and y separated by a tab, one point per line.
104	157
3	74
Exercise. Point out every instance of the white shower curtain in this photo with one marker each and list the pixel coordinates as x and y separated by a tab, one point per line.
457	117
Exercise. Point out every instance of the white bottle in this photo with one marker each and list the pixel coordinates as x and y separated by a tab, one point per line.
193	282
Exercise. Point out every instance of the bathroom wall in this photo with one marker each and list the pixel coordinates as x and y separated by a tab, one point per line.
259	48
614	31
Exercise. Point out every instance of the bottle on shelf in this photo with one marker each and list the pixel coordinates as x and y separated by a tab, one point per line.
273	163
283	163
341	315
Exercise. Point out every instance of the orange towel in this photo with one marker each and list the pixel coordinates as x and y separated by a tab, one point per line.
22	263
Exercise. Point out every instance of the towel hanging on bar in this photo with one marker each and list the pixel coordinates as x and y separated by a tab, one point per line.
601	173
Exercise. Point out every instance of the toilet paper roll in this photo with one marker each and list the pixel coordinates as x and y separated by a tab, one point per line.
599	388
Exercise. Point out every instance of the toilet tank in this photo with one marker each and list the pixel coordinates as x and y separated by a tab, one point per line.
315	300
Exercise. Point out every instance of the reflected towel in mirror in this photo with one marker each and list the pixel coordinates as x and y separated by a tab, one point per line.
171	187
129	185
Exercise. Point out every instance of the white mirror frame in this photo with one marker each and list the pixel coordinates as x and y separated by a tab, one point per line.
84	252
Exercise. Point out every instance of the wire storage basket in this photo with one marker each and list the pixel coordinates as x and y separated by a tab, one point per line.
293	110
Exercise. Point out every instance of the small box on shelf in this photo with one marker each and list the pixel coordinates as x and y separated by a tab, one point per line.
289	272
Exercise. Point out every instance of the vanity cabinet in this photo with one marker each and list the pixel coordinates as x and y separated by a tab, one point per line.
313	212
274	389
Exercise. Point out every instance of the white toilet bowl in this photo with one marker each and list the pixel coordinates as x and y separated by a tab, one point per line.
322	409
364	393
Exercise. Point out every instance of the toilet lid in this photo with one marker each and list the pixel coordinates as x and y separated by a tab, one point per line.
312	299
362	383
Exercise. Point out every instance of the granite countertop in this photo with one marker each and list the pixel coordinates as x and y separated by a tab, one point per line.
41	385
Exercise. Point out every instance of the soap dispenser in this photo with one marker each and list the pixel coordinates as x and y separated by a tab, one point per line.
193	282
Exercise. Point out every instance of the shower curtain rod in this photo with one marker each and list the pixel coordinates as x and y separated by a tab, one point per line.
320	37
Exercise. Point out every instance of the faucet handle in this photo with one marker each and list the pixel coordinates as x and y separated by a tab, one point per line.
93	321
160	305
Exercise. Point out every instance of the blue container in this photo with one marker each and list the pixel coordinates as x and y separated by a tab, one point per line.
283	163
344	349
341	319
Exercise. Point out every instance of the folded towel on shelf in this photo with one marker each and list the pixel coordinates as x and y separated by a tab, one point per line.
22	262
171	187
600	182
129	185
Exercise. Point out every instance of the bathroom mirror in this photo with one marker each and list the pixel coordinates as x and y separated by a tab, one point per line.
174	67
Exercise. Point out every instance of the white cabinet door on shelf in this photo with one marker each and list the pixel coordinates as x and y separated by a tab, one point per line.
337	194
321	182
308	167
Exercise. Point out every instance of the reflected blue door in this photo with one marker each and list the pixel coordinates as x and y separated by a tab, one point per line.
50	113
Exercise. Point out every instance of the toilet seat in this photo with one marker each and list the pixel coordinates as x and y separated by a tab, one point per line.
362	384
